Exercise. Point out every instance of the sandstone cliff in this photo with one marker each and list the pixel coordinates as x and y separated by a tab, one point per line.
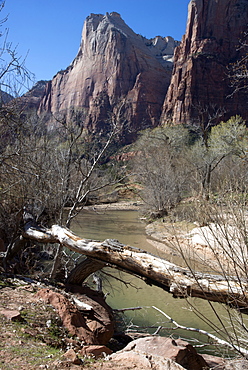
199	80
31	100
115	72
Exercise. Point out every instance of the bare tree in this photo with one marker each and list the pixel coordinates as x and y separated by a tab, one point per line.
214	144
238	71
80	173
14	75
51	175
160	169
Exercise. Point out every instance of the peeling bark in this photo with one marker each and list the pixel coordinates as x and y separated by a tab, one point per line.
153	270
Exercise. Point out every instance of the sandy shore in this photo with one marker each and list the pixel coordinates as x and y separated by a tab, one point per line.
196	246
118	206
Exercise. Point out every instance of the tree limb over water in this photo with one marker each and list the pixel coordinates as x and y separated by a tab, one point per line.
153	270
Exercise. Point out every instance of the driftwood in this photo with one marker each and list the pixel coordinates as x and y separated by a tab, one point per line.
154	270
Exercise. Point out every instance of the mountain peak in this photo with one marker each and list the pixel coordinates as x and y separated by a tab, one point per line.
116	72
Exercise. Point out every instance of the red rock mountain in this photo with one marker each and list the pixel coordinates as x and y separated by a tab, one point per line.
31	100
199	80
115	72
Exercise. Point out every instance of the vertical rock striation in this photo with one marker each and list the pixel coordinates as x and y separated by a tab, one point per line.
200	75
115	72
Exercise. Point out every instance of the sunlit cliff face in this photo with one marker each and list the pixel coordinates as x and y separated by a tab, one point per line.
200	77
115	72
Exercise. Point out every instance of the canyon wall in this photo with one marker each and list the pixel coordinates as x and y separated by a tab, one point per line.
200	76
120	77
116	75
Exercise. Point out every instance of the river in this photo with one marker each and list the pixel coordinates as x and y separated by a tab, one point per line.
127	227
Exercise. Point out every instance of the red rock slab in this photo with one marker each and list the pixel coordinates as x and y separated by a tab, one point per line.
12	315
95	351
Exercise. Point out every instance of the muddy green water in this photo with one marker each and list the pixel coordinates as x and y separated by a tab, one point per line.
126	227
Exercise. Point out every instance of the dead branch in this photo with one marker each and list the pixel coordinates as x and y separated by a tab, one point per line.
127	309
241	350
154	270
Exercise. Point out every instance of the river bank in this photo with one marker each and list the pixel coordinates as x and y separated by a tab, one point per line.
184	241
174	239
110	223
116	206
32	337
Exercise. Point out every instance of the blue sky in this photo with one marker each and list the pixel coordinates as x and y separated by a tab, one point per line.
50	30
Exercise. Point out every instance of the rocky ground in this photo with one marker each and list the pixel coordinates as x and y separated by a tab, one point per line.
32	334
32	337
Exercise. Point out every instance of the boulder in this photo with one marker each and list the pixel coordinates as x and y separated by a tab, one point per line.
100	319
96	327
178	351
144	361
71	356
95	351
12	315
215	362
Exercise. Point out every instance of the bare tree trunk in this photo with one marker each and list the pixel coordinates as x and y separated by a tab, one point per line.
13	248
57	261
153	270
83	270
206	182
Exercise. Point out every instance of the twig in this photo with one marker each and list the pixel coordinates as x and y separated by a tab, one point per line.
127	309
204	332
158	330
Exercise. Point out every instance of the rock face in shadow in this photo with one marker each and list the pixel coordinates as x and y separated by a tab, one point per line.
31	100
116	72
27	104
200	76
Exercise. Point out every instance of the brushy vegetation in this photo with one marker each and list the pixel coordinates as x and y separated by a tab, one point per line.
174	163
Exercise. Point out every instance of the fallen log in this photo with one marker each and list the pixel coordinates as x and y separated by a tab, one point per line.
154	270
